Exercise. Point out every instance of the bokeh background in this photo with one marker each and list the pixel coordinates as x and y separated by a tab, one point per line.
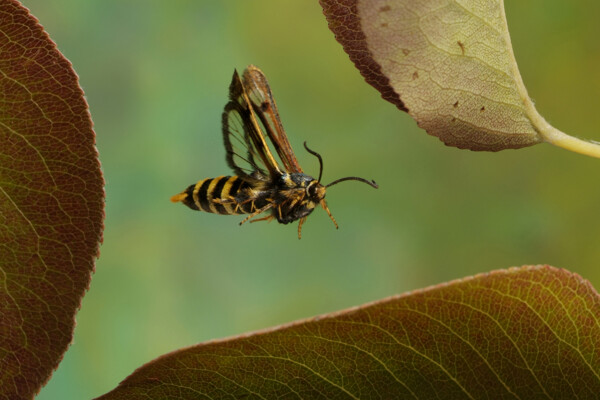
156	75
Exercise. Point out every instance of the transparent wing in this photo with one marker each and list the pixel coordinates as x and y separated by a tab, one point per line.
247	151
261	99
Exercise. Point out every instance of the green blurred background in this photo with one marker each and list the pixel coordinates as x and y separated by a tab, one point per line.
156	75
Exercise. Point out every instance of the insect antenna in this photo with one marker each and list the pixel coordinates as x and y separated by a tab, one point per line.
314	153
354	178
349	178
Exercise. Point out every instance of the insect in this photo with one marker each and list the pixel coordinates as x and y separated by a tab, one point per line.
261	184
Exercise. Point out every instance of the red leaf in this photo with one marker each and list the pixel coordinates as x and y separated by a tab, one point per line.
51	202
530	332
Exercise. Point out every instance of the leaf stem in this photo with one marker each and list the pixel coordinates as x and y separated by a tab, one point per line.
547	132
561	139
558	138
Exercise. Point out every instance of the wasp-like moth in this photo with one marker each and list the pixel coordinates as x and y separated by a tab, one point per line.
261	183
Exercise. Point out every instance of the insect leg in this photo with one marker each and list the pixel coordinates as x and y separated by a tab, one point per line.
267	218
300	227
248	200
324	205
295	200
255	213
237	207
228	200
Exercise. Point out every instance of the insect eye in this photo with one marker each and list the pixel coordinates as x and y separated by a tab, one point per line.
312	189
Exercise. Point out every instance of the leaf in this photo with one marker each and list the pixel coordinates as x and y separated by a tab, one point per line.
51	202
528	333
450	65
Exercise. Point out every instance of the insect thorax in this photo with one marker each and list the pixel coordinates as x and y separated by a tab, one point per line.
296	197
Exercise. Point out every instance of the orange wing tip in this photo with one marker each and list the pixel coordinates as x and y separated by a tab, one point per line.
179	197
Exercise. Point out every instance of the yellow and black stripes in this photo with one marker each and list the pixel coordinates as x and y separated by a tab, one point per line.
225	195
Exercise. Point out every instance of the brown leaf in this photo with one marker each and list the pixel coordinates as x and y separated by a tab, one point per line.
51	202
450	65
528	333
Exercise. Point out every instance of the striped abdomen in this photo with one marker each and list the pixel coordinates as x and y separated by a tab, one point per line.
226	195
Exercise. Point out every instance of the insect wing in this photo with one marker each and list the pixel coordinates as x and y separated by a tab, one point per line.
247	151
261	99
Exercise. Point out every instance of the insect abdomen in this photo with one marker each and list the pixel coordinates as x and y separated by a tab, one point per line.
214	195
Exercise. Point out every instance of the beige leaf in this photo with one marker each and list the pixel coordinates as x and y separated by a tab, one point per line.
450	64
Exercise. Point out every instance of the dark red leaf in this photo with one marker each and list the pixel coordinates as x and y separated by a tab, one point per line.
51	202
522	333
